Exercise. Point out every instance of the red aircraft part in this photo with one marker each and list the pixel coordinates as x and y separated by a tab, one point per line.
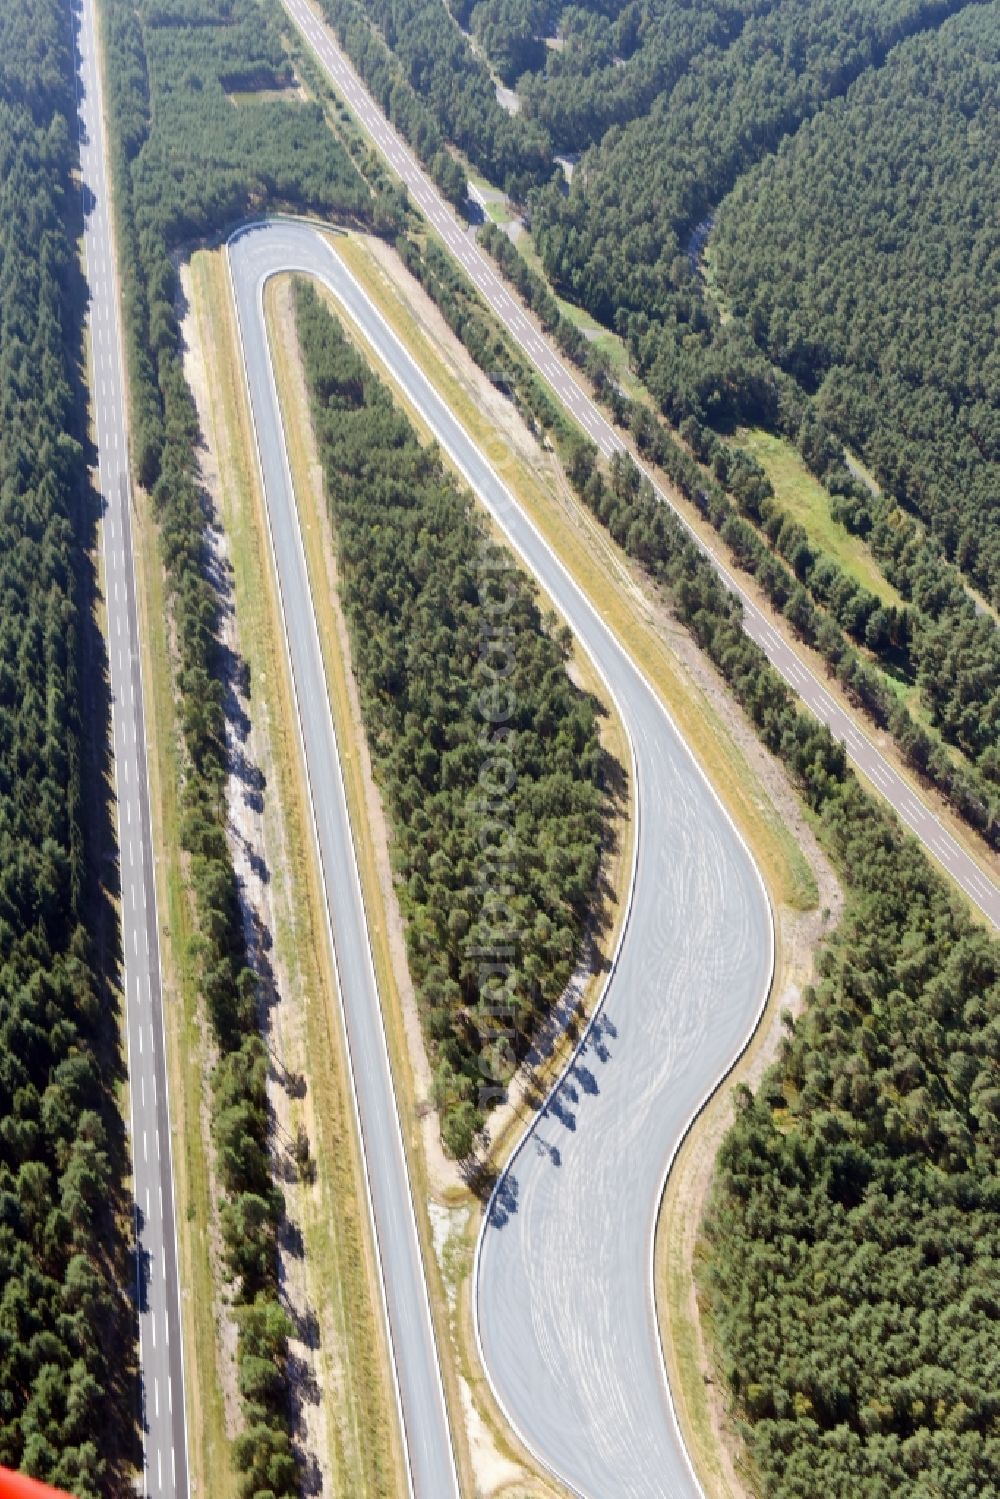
19	1486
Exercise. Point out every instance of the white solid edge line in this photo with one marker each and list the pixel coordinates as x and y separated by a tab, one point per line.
238	233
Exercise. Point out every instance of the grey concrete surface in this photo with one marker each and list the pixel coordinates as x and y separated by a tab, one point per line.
975	879
161	1357
564	1292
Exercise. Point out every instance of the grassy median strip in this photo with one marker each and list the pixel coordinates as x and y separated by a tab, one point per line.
364	1455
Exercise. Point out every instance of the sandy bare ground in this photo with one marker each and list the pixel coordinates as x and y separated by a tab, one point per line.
690	1182
446	1178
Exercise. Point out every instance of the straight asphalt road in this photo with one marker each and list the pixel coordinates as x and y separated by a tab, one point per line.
564	1274
978	885
254	255
161	1361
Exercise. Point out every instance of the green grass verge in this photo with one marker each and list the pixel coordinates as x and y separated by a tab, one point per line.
805	499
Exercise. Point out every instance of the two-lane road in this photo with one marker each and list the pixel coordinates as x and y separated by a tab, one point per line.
908	804
161	1362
